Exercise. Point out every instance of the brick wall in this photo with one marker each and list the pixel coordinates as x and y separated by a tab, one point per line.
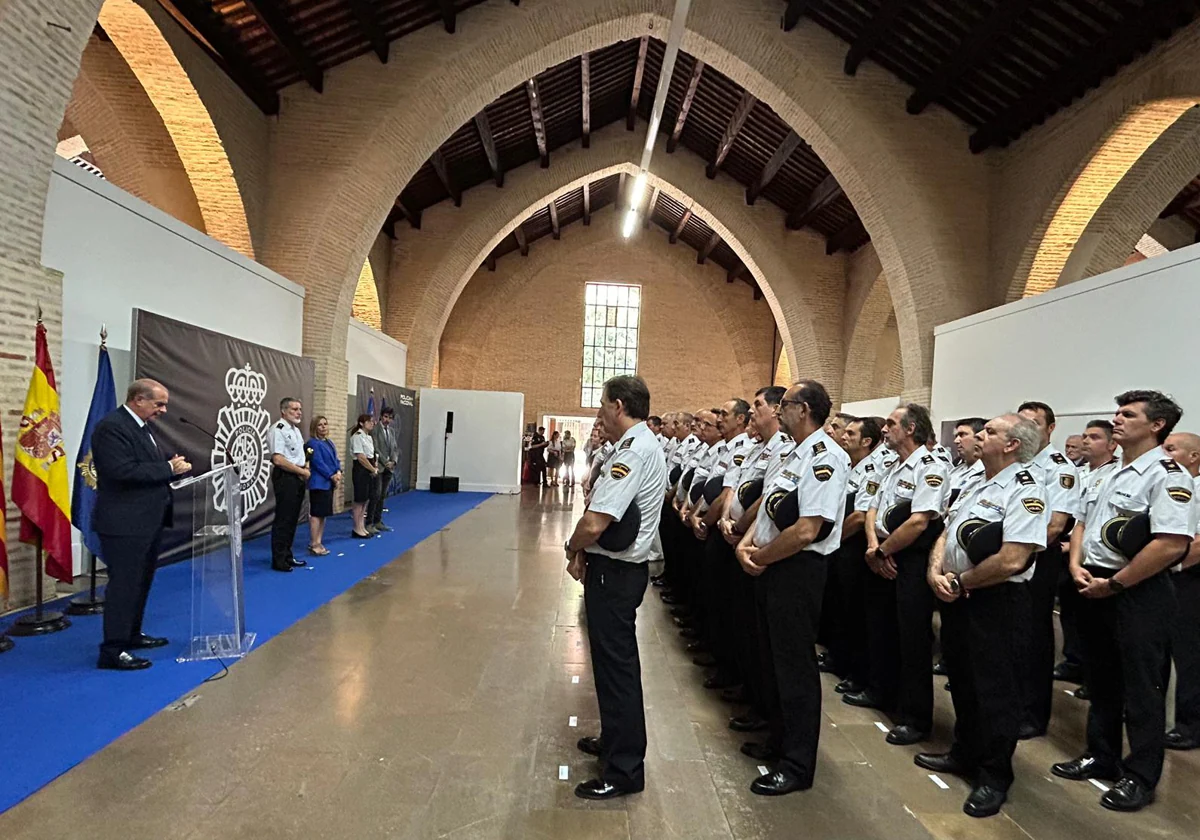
520	328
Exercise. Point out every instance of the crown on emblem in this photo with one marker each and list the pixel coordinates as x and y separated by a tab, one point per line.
245	386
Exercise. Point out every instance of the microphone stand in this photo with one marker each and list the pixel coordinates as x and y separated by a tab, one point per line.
236	467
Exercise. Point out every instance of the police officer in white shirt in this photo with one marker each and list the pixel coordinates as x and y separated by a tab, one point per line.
289	477
902	524
969	471
1128	606
1184	447
1060	478
614	581
985	609
669	532
790	566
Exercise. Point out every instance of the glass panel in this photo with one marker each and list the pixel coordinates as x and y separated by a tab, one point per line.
635	296
591	293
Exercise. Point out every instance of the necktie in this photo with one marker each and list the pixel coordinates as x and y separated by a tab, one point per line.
150	435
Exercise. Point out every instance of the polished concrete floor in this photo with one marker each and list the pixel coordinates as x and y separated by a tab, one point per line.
443	696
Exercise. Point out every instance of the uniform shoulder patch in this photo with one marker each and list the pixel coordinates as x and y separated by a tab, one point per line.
627	443
934	480
823	472
619	471
1026	477
1180	494
1067	481
872	487
1057	458
1033	505
1171	466
737	460
818	447
927	459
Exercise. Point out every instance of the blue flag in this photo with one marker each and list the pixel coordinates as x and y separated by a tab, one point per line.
83	496
371	403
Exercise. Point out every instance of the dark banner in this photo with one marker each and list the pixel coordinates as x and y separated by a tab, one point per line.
376	394
229	388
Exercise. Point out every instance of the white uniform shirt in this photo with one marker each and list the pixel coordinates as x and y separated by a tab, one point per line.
963	479
634	474
680	456
362	444
1060	478
1013	496
287	440
942	453
1153	483
1089	486
691	464
874	467
818	469
920	479
770	454
728	458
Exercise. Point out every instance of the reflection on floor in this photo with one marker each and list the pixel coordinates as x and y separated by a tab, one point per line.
437	699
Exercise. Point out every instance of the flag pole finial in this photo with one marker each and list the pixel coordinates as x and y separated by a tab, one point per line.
39	312
104	335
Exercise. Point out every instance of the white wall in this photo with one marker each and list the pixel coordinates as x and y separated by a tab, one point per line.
881	407
1078	346
485	449
118	253
374	354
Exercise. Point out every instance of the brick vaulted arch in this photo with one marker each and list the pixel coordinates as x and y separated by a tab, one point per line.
920	194
800	283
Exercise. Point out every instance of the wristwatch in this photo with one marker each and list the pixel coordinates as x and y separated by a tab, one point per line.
1116	586
955	585
567	548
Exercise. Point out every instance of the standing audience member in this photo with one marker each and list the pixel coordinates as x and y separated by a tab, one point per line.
386	452
568	459
289	474
1073	449
553	458
1185	637
537	456
362	448
325	478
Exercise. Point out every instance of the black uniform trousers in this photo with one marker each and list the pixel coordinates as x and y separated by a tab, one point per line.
1068	612
747	643
1038	680
848	630
612	592
718	558
131	561
666	535
982	637
915	604
289	498
789	595
383	480
1125	647
1185	648
883	638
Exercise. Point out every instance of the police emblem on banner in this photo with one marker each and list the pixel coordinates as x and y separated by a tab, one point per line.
242	439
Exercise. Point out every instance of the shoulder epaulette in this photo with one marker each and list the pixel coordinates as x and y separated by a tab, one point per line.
818	447
1057	458
1026	477
927	459
628	442
281	425
1171	466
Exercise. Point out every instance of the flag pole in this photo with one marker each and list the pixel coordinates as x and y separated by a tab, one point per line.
41	621
91	604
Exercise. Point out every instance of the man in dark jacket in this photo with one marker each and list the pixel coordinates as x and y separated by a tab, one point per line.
133	505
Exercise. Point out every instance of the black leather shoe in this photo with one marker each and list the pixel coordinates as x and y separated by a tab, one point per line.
1028	730
144	642
720	681
296	564
1127	795
1176	740
736	694
690	633
747	723
1068	672
680	612
862	699
825	663
946	686
779	783
282	568
1083	768
904	735
984	801
590	745
670	600
381	527
939	669
704	660
941	763
847	687
600	789
1082	693
696	647
760	752
123	661
659	582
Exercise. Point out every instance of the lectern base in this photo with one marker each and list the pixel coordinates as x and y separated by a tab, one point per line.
223	646
443	484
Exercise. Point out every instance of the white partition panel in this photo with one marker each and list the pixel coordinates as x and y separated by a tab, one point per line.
871	408
1077	346
485	448
374	354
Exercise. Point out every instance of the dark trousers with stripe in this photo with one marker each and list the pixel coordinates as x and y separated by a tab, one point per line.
1038	680
612	593
1185	649
848	623
718	602
914	623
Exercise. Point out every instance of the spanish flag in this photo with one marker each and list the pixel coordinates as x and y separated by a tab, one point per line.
3	534
40	487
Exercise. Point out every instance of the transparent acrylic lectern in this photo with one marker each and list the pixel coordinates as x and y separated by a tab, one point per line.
218	594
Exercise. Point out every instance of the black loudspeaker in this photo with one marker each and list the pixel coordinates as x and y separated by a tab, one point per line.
449	422
443	484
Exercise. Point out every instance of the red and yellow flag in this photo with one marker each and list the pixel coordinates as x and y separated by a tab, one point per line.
40	487
3	532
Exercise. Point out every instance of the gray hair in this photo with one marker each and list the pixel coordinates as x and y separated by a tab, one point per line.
142	388
1027	433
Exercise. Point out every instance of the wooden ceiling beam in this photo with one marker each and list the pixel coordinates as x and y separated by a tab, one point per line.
873	34
704	252
443	173
519	234
637	82
686	107
683	220
653	203
974	51
368	24
448	14
489	146
758	295
735	272
490	261
845	238
215	40
413	216
1137	34
778	158
585	78
825	193
736	121
272	16
539	123
792	14
587	203
555	231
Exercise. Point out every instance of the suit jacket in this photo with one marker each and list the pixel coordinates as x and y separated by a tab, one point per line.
132	477
386	445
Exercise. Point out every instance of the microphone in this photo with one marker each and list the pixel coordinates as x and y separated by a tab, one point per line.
207	433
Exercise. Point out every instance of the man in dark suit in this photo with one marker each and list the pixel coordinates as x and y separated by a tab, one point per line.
133	505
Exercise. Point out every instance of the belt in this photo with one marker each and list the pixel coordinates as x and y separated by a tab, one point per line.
1100	571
